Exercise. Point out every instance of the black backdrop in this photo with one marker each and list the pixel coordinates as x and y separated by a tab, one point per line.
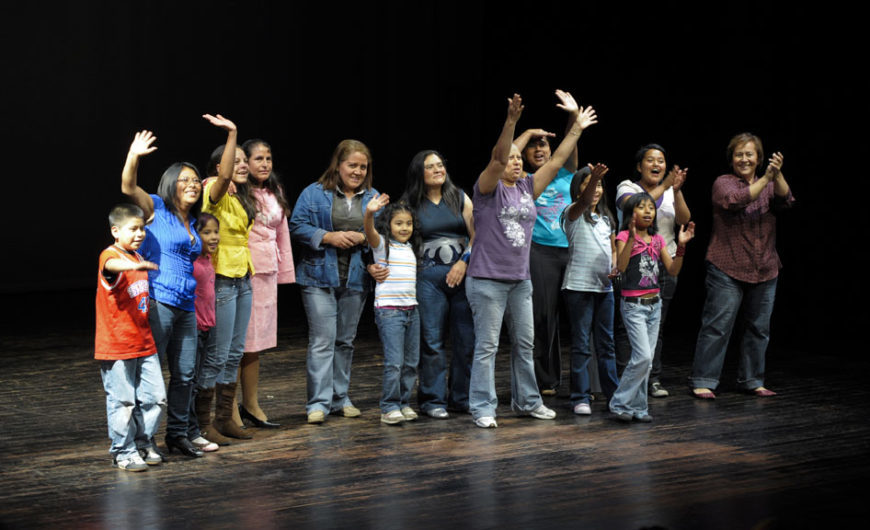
404	76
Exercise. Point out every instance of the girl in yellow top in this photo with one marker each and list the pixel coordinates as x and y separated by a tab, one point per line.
228	198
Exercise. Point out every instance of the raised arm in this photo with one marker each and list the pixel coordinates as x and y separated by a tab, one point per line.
490	176
772	174
142	145
569	105
372	236
523	139
682	214
576	208
623	248
228	159
545	174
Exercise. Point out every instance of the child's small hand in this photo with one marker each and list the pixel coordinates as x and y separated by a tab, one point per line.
632	225
614	273
598	170
687	232
377	202
146	265
142	143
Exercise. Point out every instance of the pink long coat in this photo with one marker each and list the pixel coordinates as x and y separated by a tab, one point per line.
269	242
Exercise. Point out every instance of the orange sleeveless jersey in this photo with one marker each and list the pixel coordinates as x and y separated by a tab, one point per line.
122	311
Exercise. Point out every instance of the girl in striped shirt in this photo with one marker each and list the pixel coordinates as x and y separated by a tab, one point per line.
395	243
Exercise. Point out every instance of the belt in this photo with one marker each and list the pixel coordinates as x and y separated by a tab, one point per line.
642	301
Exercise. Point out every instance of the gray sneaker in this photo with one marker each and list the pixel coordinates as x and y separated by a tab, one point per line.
656	390
131	463
150	456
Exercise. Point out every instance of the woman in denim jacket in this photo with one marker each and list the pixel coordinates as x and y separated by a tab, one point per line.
327	223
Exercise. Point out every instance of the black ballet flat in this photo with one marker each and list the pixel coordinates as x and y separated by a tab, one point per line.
184	447
257	422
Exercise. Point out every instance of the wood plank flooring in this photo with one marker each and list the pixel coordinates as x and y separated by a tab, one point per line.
798	460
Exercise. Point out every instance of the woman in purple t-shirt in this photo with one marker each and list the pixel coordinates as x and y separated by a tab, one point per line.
497	280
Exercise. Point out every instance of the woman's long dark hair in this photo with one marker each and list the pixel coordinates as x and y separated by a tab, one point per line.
273	182
628	210
167	190
243	191
415	188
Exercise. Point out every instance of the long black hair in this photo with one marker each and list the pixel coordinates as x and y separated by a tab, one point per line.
273	182
382	226
415	188
243	191
628	210
168	186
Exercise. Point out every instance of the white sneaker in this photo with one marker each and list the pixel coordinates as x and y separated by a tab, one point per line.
204	445
409	414
393	417
150	456
543	413
131	463
486	422
438	413
582	409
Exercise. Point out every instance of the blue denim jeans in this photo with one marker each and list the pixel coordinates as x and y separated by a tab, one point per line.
725	297
399	330
491	302
590	312
642	326
133	385
175	335
442	308
333	315
226	344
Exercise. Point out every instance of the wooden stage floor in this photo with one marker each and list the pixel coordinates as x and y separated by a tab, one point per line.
798	460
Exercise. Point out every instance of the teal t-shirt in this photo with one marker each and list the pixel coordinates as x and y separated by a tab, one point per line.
554	199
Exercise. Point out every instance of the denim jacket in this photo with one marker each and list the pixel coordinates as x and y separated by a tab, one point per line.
318	263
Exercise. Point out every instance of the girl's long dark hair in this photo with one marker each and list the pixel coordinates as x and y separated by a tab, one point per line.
601	208
243	191
628	210
273	183
382	226
415	188
167	187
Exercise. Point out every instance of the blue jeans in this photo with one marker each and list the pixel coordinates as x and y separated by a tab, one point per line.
591	312
175	335
491	301
642	326
442	308
399	330
226	344
333	315
133	385
725	297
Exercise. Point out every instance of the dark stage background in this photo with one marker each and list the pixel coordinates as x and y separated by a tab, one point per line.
402	77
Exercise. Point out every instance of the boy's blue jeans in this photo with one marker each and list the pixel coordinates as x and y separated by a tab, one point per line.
133	384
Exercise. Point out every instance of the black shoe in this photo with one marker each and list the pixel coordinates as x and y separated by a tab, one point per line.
183	445
258	423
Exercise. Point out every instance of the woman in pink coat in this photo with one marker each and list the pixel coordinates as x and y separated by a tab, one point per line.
269	242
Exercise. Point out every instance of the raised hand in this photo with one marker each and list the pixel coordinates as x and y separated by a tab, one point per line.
515	108
143	143
678	177
774	165
598	171
537	133
687	232
220	121
377	202
586	117
567	102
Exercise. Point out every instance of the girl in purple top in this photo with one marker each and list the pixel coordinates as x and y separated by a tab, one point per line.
639	264
497	281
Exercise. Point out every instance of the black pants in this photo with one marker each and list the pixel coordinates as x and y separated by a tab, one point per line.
547	270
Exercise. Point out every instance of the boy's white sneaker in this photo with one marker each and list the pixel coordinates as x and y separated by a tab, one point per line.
131	463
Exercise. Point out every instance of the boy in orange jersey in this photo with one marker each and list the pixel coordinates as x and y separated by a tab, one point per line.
129	365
